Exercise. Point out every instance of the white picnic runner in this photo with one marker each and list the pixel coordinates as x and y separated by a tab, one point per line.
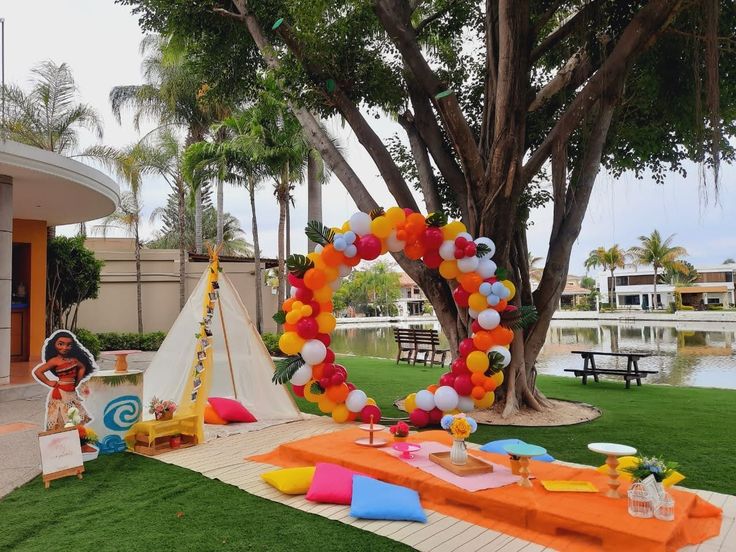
500	477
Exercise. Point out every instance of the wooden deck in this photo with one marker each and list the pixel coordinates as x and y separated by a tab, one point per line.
223	459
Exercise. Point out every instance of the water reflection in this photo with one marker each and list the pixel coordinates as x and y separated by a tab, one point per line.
692	354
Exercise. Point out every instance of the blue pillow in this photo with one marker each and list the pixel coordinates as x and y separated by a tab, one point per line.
373	499
497	448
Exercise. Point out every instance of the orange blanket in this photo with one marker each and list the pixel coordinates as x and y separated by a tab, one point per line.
565	521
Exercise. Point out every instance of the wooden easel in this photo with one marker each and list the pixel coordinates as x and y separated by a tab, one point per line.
77	470
48	478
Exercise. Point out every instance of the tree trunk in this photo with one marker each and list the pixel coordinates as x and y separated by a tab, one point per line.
256	256
180	199
138	281
50	232
281	272
198	247
220	200
654	299
287	240
612	291
314	191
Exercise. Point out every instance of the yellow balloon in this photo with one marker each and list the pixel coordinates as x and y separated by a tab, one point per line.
331	273
486	401
497	378
290	343
370	401
345	227
381	227
340	413
306	310
325	322
478	301
325	405
395	215
323	294
449	270
477	361
311	397
509	285
410	402
293	317
452	229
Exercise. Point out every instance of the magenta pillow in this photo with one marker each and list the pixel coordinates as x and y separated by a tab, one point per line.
332	484
231	410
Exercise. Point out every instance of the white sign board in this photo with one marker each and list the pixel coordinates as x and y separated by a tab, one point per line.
60	451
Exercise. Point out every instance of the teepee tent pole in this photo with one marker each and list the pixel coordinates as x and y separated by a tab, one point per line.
227	348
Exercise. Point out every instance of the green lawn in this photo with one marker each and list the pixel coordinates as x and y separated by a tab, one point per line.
127	502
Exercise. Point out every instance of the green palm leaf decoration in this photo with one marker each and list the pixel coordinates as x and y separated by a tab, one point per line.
298	265
501	273
481	249
496	363
285	369
378	212
523	317
319	233
437	219
279	317
316	388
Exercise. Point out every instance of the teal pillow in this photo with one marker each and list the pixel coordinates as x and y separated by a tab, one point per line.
373	499
497	448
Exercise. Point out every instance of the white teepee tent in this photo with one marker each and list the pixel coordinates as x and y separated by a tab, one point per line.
239	365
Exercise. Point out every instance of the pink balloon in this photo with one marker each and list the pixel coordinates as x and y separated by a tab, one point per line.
463	385
435	415
466	347
419	417
459	367
368	411
307	328
298	390
369	247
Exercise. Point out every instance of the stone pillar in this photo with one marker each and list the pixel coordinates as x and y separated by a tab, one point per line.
6	273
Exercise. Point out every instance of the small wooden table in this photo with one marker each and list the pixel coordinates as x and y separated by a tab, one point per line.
524	452
632	371
146	437
612	452
121	361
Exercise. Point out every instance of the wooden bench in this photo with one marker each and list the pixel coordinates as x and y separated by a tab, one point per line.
416	345
632	371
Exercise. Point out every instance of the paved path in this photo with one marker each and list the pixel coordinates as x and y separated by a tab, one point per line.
20	422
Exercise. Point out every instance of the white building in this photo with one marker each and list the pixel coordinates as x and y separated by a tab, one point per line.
412	300
635	288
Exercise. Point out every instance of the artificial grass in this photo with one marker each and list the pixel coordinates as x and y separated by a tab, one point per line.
689	425
127	502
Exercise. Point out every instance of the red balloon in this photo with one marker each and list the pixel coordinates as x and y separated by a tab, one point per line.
315	308
330	356
339	368
461	296
447	379
328	369
418	417
307	328
459	367
368	411
466	347
476	327
435	415
324	382
369	247
470	250
408	211
304	295
298	390
463	385
294	281
324	338
461	242
491	280
459	253
432	237
351	386
432	259
337	378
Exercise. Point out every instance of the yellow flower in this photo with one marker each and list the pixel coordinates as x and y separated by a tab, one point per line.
460	428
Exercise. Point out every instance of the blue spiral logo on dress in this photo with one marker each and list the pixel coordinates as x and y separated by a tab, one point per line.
121	413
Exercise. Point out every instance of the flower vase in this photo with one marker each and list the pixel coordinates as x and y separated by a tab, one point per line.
165	415
458	452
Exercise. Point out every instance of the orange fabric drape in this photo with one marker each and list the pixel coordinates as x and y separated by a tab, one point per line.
565	521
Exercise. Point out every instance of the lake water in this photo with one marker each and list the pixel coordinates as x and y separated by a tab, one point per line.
685	354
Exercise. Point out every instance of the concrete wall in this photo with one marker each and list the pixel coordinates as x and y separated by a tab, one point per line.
115	309
6	255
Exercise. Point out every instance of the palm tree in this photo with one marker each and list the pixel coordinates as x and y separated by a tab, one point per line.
535	271
658	253
48	116
730	260
608	259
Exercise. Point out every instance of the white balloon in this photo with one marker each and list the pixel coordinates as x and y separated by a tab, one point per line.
445	398
349	237
503	351
356	400
314	351
345	270
473	313
486	268
493	299
499	289
318	248
351	251
489	319
447	250
485	289
490	244
360	223
302	375
465	404
468	264
335	284
339	244
465	235
394	244
425	400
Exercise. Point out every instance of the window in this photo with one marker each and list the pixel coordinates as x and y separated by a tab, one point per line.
629	299
622	280
714	301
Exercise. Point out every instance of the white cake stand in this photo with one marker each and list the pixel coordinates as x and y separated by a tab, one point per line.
371	441
612	452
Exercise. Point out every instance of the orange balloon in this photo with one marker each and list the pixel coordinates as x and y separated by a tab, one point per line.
352	261
315	279
502	335
449	270
483	340
338	393
331	273
327	306
414	250
489	384
497	378
317	371
331	256
414	225
478	302
478	392
289	327
501	306
352	416
478	378
323	294
286	307
432	388
470	281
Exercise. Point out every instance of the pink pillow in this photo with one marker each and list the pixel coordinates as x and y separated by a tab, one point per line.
231	410
332	484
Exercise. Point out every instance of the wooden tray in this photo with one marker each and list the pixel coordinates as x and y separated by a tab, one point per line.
473	467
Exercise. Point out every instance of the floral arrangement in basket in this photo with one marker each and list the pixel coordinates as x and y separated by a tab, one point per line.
651	465
459	426
400	430
87	437
163	410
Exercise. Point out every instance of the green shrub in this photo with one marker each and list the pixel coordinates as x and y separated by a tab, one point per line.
114	341
89	340
714	307
271	341
687	308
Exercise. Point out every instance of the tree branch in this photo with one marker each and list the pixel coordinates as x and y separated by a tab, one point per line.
429	19
547	15
562	79
491	78
570	24
419	152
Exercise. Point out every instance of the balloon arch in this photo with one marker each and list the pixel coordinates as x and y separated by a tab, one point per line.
308	315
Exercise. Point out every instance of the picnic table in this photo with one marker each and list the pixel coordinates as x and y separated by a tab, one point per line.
632	371
417	345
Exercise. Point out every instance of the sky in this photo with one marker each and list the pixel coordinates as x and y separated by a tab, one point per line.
100	40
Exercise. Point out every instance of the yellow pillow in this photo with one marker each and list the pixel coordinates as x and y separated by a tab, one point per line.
625	462
292	481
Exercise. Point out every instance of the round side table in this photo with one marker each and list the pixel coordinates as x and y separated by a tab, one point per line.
121	361
612	452
524	452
